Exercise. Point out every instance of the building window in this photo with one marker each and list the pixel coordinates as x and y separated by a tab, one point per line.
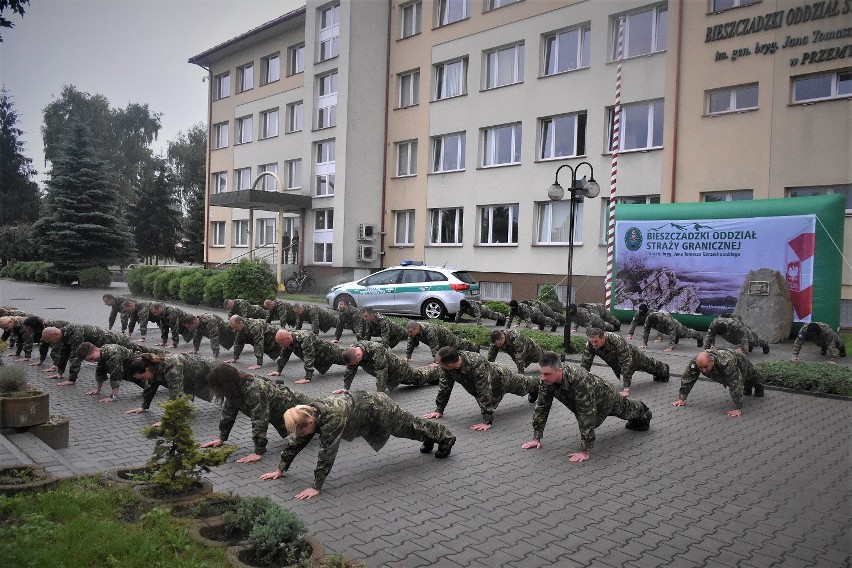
554	220
323	234
411	14
244	129
735	195
220	182
449	11
271	68
644	32
504	66
265	232
294	117
269	123
324	170
721	5
501	145
241	233
242	179
732	99
220	133
448	152
329	32
222	86
406	158
296	60
641	126
807	191
294	174
269	183
404	228
822	87
498	224
632	200
445	226
494	4
327	100
562	136
245	77
566	51
217	233
409	89
450	79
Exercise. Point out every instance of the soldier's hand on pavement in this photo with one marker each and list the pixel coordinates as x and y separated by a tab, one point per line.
304	381
212	444
136	411
629	337
832	362
48	370
272	474
794	358
669	349
734	413
231	361
249	458
532	444
65	383
108	399
335	341
579	457
91	393
307	494
432	415
658	340
679	402
339	391
253	367
624	392
273	374
53	377
481	427
34	364
190	351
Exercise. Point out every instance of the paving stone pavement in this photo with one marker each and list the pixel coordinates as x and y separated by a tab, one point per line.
771	488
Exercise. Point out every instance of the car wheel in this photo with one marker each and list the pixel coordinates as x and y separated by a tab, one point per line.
346	298
433	309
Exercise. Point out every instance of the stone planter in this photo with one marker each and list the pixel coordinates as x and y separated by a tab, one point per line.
243	556
150	493
42	481
54	432
122	475
212	532
24	408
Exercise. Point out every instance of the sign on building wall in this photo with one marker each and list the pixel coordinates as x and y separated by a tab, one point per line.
693	259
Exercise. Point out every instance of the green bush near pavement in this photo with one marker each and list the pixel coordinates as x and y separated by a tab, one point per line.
250	280
136	277
94	277
214	290
812	377
497	306
191	290
481	335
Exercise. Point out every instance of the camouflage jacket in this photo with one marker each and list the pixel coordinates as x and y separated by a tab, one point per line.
321	319
545	308
73	335
435	336
260	397
391	332
43	346
216	329
616	353
114	361
115	309
20	336
475	376
638	319
730	369
524	313
379	362
585	318
262	337
142	315
666	325
828	341
522	350
283	313
312	350
351	318
738	333
588	396
180	374
170	320
247	310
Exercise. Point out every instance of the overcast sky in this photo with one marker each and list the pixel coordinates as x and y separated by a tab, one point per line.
130	51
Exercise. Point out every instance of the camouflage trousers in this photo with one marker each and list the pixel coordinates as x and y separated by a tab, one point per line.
402	424
642	362
414	376
506	382
627	409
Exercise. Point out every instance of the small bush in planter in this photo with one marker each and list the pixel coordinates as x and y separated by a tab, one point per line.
12	379
813	377
547	294
95	277
240	520
278	536
498	306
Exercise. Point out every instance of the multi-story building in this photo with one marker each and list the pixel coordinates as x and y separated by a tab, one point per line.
435	127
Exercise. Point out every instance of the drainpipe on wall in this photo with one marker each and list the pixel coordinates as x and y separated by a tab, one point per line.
676	99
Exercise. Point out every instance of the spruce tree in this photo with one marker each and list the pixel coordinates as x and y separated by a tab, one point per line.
187	162
156	217
83	226
19	198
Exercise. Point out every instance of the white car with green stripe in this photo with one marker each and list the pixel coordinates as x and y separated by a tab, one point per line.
428	291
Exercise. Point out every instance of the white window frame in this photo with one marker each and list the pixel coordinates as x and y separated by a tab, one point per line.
217	233
220	182
842	189
439	151
410	19
493	140
323	235
549	221
729	195
409	88
244	129
269	123
715	8
245	77
406	158
658	40
242	179
240	233
551	50
836	86
437	228
271	68
655	112
486	213
548	145
451	11
222	86
497	4
735	97
295	59
220	135
294	174
268	183
404	228
493	66
266	232
326	116
324	169
627	199
295	118
328	44
441	83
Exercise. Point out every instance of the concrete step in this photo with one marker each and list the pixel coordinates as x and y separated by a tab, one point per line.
58	463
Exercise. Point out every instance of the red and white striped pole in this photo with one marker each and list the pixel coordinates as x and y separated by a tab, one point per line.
616	136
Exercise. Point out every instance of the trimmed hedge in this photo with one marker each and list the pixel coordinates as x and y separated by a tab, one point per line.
813	377
251	280
32	271
162	284
498	306
482	336
149	279
136	277
214	290
191	290
94	277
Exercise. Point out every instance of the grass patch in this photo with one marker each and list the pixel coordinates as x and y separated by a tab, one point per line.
83	524
813	377
17	475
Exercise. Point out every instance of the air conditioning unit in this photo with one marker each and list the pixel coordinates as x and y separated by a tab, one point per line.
366	253
366	232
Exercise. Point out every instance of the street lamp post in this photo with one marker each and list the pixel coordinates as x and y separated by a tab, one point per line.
577	193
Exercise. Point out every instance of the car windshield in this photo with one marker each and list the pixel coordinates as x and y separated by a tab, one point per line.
464	276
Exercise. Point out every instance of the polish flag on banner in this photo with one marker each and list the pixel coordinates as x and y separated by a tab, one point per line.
800	274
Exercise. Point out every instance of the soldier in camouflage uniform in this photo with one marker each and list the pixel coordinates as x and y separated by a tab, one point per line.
730	369
487	382
372	416
68	339
527	313
33	326
544	308
211	326
240	307
623	358
321	319
523	350
581	317
479	310
350	318
734	330
589	397
115	302
602	312
377	324
639	319
315	352
138	312
113	361
390	371
665	324
260	334
281	311
181	374
8	312
170	319
821	334
258	398
13	330
435	336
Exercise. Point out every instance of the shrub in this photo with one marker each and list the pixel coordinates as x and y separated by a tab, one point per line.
240	520
498	306
162	283
251	280
814	377
547	294
6	271
12	379
148	280
95	277
136	276
214	290
28	273
481	335
279	536
174	283
43	273
191	289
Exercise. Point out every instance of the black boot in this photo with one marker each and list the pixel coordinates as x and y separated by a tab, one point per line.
747	390
501	322
766	349
663	378
533	396
758	391
699	341
427	446
553	327
640	424
445	447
